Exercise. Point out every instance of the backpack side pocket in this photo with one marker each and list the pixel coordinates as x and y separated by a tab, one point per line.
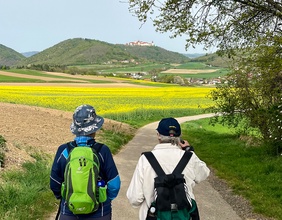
102	194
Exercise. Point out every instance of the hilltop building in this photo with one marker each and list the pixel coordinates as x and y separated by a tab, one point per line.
140	43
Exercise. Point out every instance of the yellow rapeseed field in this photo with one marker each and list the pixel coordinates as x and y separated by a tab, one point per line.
108	101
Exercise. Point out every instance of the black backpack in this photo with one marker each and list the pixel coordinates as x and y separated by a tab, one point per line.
172	200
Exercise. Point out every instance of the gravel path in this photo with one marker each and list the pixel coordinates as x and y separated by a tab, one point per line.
215	199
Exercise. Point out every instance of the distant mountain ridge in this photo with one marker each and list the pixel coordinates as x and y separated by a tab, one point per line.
194	55
30	53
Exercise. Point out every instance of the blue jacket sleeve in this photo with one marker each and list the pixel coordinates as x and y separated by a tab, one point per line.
57	171
113	187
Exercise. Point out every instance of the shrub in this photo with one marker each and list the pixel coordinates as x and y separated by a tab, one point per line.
2	151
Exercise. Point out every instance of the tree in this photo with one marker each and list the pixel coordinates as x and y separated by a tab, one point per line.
229	24
252	29
254	93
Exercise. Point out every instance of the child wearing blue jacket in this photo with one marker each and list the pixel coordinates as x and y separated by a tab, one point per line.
84	126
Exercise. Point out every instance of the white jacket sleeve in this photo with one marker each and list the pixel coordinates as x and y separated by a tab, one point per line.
134	192
201	170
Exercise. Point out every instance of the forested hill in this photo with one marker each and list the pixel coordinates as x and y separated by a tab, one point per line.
214	60
155	53
80	51
8	56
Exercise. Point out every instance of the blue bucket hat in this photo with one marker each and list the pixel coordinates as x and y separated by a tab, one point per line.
85	121
169	127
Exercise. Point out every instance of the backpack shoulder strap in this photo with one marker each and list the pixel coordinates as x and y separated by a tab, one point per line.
97	146
183	162
154	163
70	146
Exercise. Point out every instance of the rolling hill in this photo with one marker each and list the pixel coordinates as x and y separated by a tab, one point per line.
9	57
154	53
80	51
214	60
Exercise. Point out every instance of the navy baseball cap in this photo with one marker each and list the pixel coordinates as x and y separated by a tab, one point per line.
169	127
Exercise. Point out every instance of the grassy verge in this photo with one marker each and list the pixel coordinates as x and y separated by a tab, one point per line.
141	117
248	169
115	139
24	194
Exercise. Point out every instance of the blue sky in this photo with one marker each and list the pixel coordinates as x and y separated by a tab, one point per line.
35	25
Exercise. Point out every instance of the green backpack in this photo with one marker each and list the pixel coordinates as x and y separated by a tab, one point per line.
79	188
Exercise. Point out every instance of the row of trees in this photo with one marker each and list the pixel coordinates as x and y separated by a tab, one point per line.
4	67
249	30
60	68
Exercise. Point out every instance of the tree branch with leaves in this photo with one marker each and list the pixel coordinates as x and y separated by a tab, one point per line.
224	23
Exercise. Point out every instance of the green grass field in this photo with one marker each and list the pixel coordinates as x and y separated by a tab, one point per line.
51	77
120	70
203	75
194	65
18	79
136	68
117	68
35	73
247	167
127	68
